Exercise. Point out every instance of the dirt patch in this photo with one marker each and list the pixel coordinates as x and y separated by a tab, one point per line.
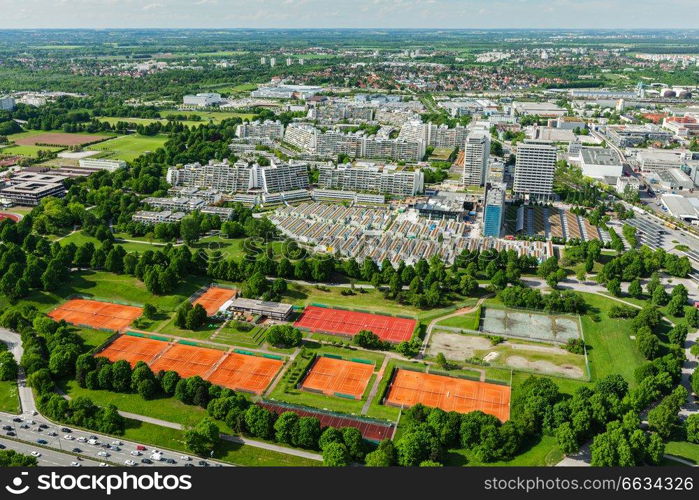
456	346
544	367
57	139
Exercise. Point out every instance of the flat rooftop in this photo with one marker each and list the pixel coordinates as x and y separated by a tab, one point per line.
600	156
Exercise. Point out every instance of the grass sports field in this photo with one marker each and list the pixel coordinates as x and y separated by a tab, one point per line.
113	120
129	147
32	151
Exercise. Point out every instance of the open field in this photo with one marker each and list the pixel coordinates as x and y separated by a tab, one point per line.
683	449
539	358
113	120
32	151
129	147
610	347
9	397
369	300
468	321
56	139
230	334
214	116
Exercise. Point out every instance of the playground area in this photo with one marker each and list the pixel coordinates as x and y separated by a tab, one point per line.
234	370
528	325
350	323
96	314
215	297
448	393
338	377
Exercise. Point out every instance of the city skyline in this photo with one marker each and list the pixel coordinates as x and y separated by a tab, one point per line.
367	14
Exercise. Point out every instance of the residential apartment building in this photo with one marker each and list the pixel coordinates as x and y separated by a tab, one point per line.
387	179
268	129
302	135
240	177
494	211
476	154
534	169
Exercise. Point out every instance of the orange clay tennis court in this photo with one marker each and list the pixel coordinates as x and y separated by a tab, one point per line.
133	349
214	298
246	373
350	323
187	360
331	376
96	314
448	393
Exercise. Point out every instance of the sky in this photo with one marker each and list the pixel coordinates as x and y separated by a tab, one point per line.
623	14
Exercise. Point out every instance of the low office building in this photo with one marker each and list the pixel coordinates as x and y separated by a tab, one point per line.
164	217
97	164
680	207
600	162
30	193
631	135
623	183
273	310
202	100
672	179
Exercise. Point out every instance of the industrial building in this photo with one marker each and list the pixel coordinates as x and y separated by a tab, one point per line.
600	162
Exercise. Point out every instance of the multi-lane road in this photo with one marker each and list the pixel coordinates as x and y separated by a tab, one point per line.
85	447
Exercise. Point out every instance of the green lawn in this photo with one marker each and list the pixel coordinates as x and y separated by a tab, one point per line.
113	120
610	348
369	300
129	147
230	334
9	397
683	449
544	452
468	321
215	116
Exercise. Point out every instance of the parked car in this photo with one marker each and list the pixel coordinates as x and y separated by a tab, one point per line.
102	454
170	461
203	463
65	429
36	454
146	461
117	443
16	419
43	426
135	453
185	458
68	437
102	464
6	427
140	447
77	450
74	464
10	433
130	463
42	441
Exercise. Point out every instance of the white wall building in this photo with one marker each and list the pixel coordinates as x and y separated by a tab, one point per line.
534	169
476	154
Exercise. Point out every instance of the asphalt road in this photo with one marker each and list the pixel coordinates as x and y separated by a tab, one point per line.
48	458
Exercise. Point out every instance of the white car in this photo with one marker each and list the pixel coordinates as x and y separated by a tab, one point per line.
130	463
82	439
185	458
117	443
93	441
136	453
74	464
68	437
102	464
102	454
157	457
36	454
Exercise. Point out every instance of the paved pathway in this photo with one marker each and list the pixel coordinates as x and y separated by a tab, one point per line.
375	388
